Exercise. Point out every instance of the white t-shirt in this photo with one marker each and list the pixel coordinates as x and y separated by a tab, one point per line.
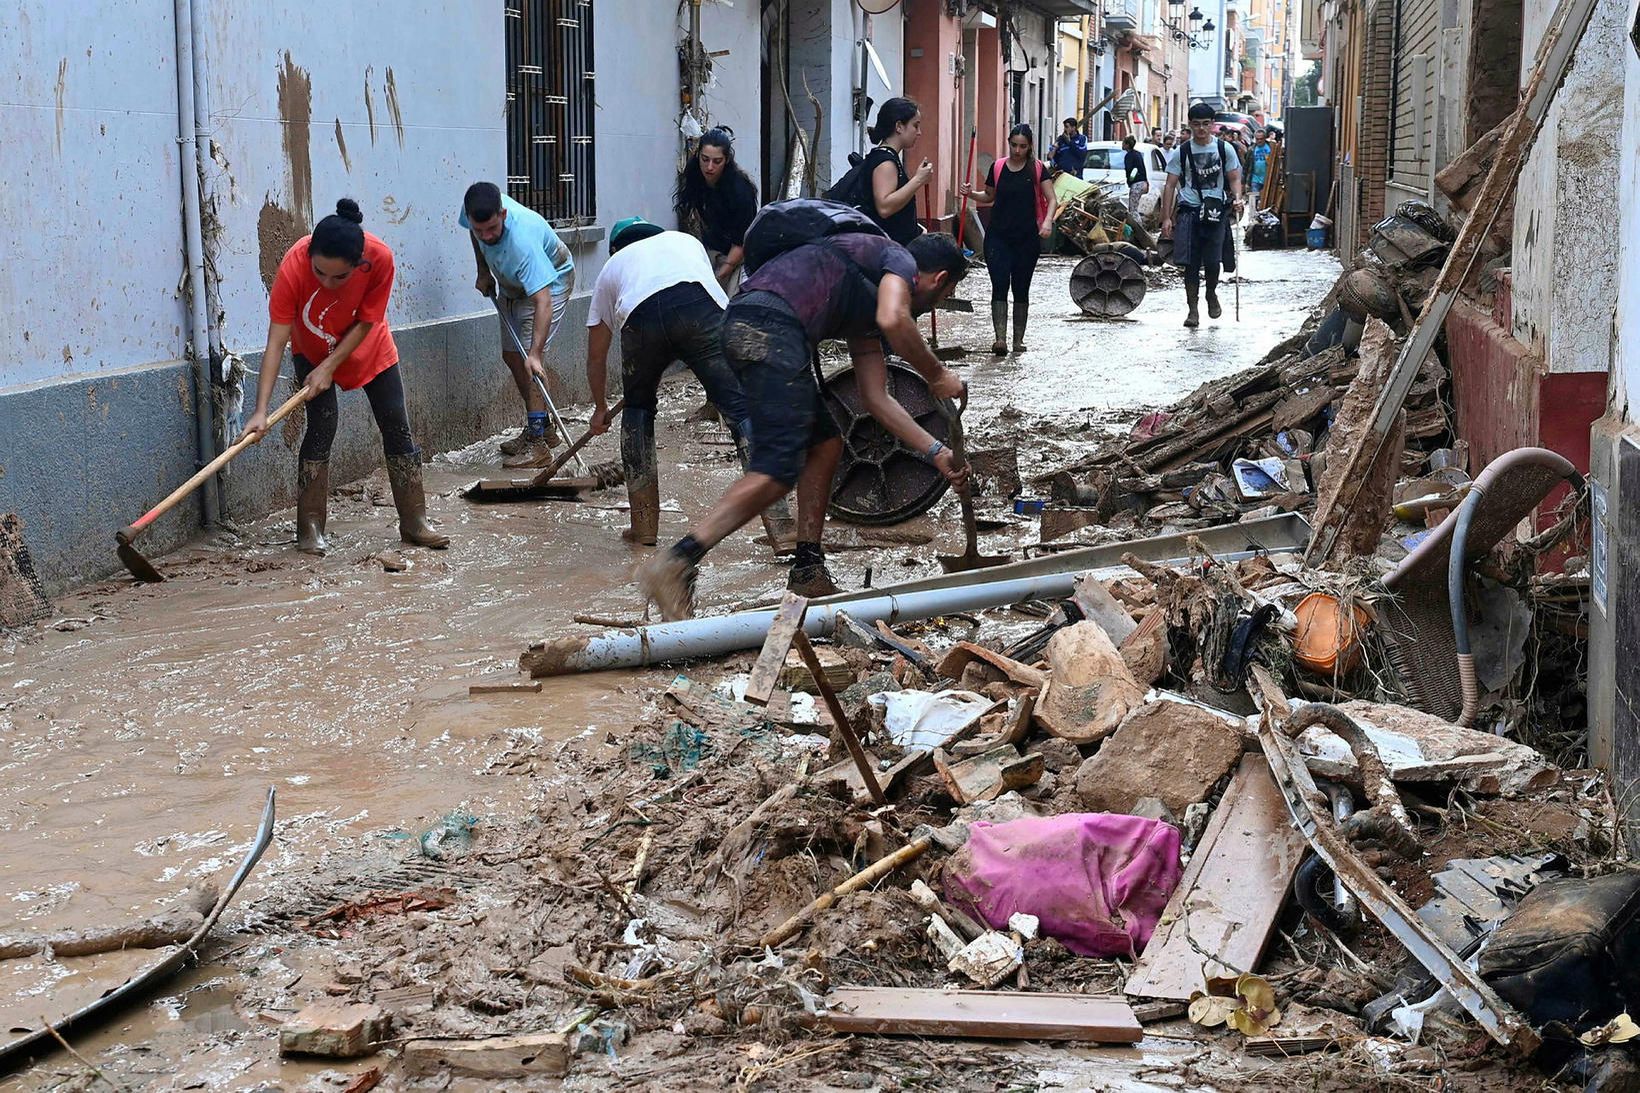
639	270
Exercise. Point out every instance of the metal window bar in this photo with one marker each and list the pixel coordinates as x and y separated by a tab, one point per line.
551	152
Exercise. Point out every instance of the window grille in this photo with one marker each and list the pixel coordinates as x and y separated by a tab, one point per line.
551	158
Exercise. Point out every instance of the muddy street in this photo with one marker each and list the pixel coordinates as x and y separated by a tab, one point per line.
143	724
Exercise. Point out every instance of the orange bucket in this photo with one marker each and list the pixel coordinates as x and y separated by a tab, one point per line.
1328	641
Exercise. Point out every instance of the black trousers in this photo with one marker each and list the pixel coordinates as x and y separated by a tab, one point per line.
1012	264
684	323
386	394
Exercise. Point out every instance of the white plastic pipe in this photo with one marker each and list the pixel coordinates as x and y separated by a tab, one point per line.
646	645
194	247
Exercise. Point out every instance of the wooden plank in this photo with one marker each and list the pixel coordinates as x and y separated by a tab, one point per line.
839	716
996	1015
536	1054
1231	893
788	619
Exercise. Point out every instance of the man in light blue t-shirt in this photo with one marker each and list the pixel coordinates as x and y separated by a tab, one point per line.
523	264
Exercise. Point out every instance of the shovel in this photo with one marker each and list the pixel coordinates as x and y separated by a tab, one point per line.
518	347
539	485
971	558
141	568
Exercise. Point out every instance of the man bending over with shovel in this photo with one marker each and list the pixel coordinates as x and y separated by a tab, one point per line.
852	285
527	270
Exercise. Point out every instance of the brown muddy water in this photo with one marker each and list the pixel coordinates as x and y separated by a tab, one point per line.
141	727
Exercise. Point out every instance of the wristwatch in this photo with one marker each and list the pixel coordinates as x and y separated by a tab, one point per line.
935	449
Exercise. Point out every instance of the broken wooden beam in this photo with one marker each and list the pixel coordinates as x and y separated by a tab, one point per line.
532	1055
994	1015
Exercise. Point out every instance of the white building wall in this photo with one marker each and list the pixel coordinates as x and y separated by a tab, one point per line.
1207	65
1626	353
91	221
1568	193
415	92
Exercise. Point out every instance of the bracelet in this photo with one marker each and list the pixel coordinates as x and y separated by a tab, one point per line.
935	449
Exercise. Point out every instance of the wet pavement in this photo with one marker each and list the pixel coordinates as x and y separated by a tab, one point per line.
140	729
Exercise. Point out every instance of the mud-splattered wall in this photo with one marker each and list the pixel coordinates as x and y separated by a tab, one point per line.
91	222
398	106
1564	266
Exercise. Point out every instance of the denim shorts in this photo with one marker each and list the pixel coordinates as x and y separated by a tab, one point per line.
770	352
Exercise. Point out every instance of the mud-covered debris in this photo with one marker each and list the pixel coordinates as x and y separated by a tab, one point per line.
339	1030
1090	688
531	1055
1173	751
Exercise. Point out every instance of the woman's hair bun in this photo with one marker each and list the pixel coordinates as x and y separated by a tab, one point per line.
348	209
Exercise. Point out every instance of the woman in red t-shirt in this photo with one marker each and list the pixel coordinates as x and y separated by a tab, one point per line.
329	304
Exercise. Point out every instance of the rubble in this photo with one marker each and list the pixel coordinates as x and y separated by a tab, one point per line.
1173	751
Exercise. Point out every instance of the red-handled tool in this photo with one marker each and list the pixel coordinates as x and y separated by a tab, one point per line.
968	177
141	568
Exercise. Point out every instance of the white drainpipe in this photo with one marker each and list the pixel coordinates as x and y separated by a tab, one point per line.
198	324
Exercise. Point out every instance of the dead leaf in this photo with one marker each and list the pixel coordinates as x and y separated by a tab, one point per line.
1619	1030
1211	1010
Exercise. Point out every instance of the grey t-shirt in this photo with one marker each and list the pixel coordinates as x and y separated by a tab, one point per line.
1209	172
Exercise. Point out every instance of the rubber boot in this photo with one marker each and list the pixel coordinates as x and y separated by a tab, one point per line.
999	324
1022	310
1192	295
312	491
410	498
645	501
1213	308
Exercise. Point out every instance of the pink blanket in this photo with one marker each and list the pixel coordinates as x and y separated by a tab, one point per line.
1097	880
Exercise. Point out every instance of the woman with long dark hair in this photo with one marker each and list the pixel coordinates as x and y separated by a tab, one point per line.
893	191
329	304
716	200
1022	212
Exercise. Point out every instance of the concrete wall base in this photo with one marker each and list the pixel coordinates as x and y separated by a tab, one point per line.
87	455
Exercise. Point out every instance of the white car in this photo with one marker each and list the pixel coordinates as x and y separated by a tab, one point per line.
1104	166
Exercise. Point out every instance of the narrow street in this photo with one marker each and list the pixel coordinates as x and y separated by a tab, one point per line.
143	725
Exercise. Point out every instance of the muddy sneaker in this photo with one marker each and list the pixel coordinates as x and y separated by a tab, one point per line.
515	444
536	452
811	581
669	581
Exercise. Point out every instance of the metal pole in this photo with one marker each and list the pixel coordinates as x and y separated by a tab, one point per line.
199	344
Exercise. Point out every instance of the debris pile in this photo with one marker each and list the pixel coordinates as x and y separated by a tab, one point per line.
1105	824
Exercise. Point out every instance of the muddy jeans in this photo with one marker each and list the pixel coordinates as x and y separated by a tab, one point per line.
678	323
386	394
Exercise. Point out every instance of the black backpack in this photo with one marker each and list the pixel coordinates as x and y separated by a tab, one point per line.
782	225
851	189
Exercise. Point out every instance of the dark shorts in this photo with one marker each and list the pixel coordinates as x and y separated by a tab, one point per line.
770	352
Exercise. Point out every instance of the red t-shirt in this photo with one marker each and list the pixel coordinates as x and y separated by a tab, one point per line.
319	317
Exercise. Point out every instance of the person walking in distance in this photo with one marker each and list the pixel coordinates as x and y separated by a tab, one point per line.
1022	211
891	192
660	291
715	201
1138	175
329	305
523	264
1070	151
1201	201
865	289
1261	163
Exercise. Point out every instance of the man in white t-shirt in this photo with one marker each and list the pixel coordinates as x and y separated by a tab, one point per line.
660	291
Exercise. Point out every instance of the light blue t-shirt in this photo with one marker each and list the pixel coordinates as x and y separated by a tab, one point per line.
529	256
1209	174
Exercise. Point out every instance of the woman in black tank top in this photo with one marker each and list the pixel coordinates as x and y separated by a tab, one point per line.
893	202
